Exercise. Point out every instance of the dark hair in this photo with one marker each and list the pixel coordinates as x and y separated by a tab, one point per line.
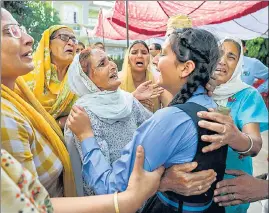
53	34
80	43
157	46
236	44
201	47
99	43
243	43
139	42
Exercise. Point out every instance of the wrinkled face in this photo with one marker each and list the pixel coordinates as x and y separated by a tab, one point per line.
16	53
170	68
153	51
139	58
228	62
103	73
79	48
62	51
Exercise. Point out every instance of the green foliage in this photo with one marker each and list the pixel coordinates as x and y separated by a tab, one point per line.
35	16
258	48
93	13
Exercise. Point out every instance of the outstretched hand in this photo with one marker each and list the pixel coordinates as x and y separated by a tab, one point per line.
147	90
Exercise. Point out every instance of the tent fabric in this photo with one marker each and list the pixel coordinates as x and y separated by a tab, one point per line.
147	19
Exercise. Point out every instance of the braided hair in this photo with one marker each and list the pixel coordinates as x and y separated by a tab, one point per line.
201	47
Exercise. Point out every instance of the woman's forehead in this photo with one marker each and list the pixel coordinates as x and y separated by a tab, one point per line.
229	45
98	55
138	46
65	31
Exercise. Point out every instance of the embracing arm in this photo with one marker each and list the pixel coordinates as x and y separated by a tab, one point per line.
141	186
151	135
229	134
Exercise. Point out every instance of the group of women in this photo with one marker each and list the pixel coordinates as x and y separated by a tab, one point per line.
104	124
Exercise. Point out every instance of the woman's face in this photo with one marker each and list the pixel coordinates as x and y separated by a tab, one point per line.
227	63
79	48
62	51
103	73
171	71
139	58
16	53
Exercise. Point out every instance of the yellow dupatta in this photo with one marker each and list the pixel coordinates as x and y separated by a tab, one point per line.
127	83
45	125
54	95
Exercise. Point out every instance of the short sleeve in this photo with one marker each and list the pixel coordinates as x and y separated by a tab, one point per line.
253	110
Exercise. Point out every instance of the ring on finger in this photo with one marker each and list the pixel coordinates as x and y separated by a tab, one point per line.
200	187
231	196
221	141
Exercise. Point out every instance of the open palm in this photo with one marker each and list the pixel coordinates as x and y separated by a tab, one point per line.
147	90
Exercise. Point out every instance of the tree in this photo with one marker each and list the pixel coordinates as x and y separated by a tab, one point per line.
35	16
258	48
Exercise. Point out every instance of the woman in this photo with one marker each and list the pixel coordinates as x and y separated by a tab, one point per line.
52	58
114	113
247	110
169	136
24	193
28	132
137	70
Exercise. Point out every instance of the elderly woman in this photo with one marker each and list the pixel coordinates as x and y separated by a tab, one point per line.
114	113
247	110
52	58
28	132
137	69
249	117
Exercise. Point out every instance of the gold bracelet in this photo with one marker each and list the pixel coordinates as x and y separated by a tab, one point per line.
116	204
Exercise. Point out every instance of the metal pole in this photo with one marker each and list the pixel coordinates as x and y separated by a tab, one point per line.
127	22
103	29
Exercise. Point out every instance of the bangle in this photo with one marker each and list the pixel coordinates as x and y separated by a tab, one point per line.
251	144
116	204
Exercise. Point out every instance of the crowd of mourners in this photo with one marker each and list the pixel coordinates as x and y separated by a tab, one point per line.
174	131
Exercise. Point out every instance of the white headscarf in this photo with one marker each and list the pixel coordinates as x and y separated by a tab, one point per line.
235	84
108	106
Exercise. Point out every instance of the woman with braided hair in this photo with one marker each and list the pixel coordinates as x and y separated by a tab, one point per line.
171	136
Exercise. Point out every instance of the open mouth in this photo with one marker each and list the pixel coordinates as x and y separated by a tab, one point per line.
114	76
69	51
28	54
139	64
221	70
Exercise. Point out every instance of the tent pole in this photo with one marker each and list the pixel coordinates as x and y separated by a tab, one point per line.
127	22
103	29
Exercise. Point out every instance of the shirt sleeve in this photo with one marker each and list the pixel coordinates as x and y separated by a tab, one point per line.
253	110
21	190
261	72
263	87
161	139
16	136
